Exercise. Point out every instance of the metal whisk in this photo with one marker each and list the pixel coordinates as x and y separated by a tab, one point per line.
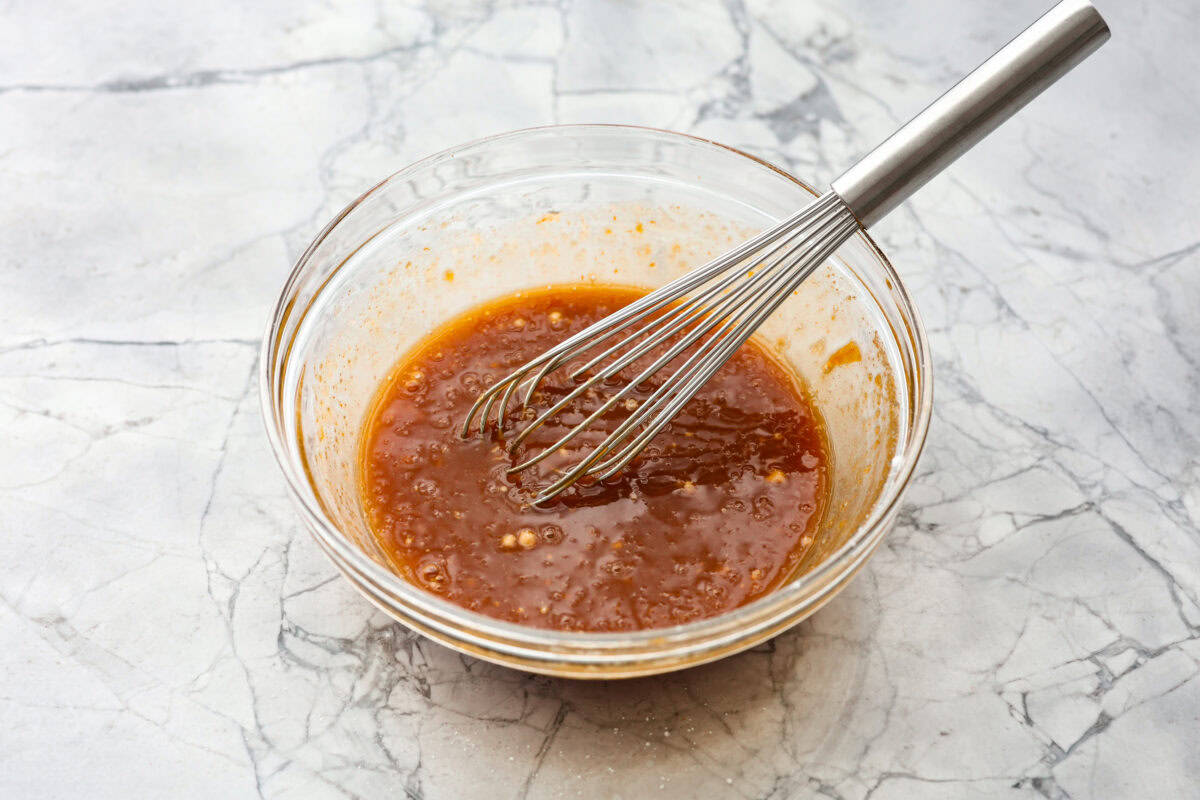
703	317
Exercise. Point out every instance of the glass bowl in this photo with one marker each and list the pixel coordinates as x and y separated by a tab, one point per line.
607	204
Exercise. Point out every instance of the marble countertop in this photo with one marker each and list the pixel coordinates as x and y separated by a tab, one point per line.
1030	629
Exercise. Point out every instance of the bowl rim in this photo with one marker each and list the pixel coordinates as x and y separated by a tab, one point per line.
587	645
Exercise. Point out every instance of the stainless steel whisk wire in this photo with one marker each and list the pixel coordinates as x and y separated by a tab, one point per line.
741	288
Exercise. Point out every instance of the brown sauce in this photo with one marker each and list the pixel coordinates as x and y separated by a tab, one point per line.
715	513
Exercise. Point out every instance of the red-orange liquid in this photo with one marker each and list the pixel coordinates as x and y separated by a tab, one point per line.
715	513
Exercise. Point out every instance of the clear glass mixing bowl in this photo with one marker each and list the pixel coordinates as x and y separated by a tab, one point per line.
564	204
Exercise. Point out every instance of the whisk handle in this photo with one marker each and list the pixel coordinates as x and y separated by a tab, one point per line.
999	87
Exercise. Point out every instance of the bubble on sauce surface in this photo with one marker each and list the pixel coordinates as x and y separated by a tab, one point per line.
432	573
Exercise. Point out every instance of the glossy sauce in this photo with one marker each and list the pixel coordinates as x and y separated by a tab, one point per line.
715	513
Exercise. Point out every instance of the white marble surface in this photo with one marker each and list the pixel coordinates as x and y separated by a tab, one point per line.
1031	628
